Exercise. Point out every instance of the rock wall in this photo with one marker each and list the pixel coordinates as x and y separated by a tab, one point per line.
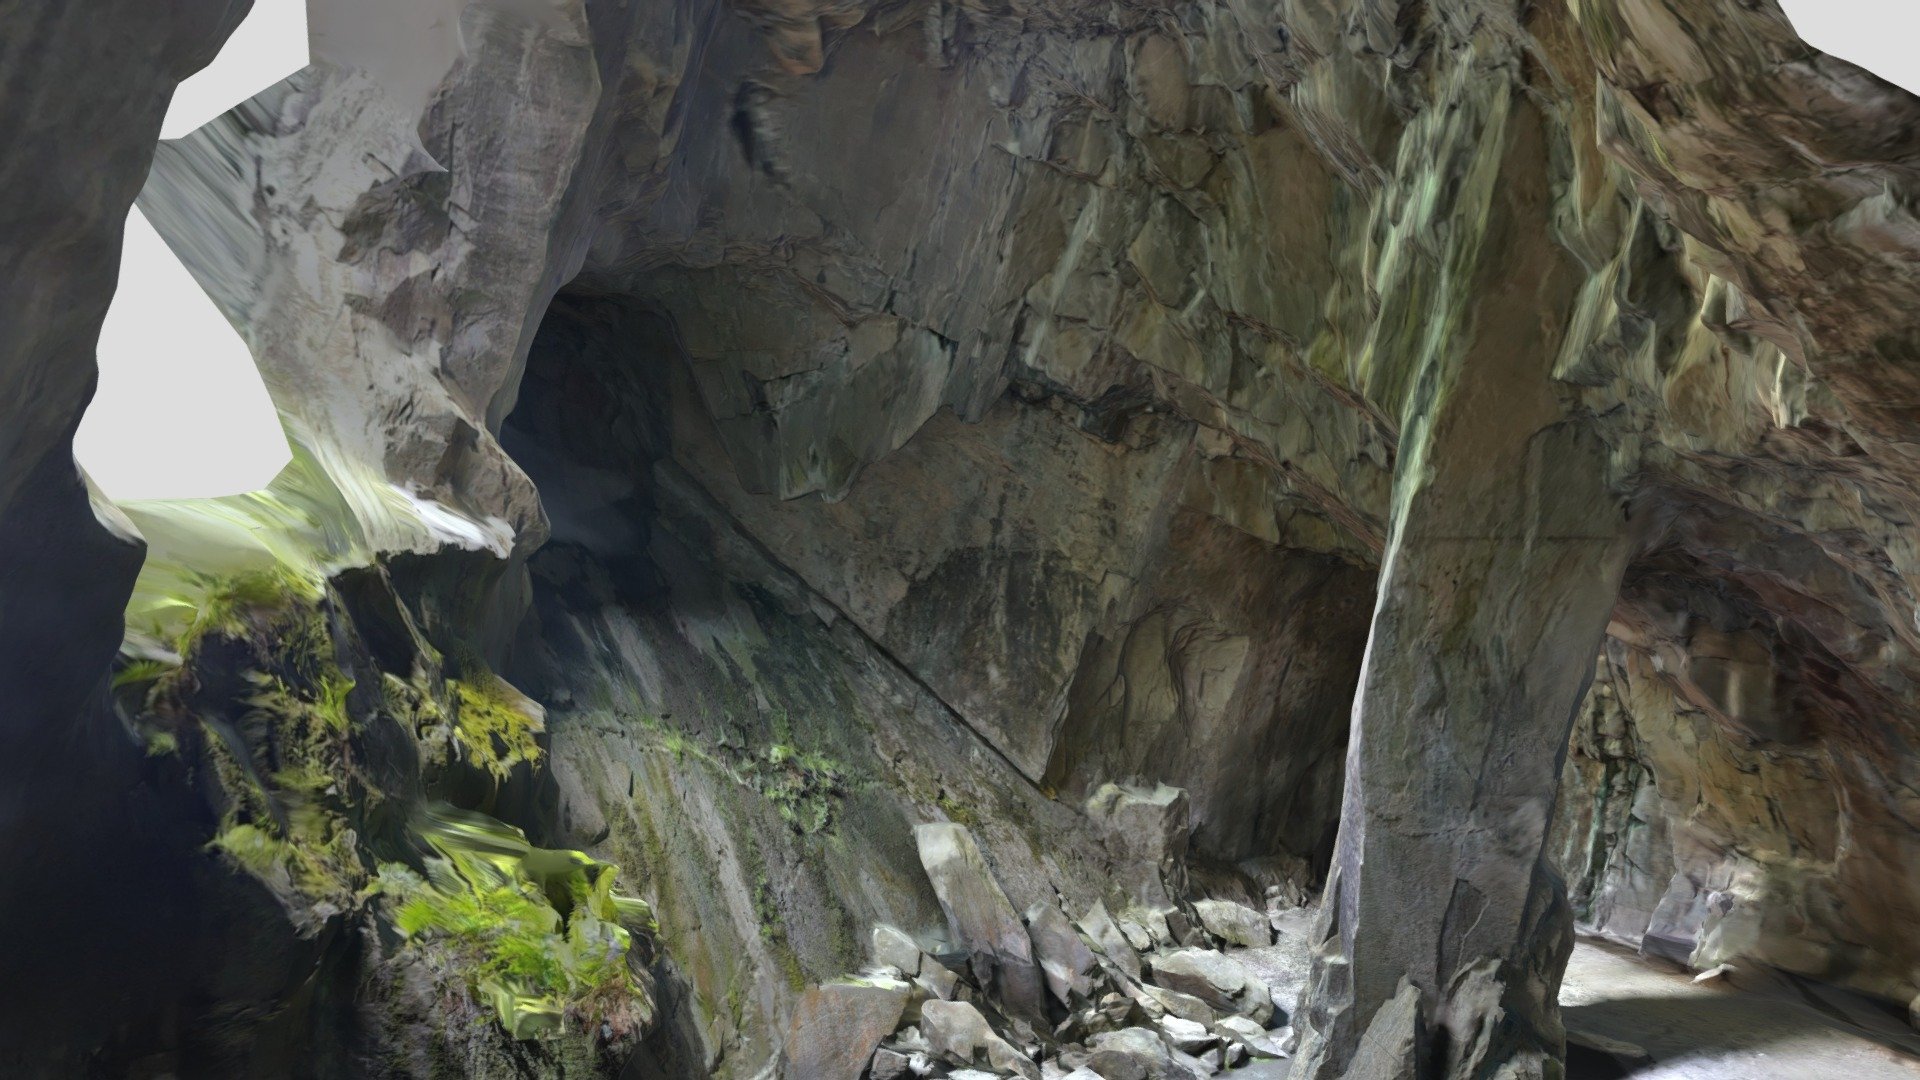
846	416
74	148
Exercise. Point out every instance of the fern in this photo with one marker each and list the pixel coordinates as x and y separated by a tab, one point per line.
139	672
535	933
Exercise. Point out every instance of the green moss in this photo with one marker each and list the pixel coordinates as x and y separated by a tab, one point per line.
279	740
804	787
496	731
238	605
315	868
957	812
536	934
318	706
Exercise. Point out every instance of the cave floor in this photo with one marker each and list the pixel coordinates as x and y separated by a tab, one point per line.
1749	1028
1744	1030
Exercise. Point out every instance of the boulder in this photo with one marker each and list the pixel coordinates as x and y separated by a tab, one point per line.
1065	960
958	1033
1215	978
892	947
836	1027
1108	938
1175	1003
1140	1054
1130	1054
936	979
1235	924
1146	832
1187	1035
981	919
1248	1034
890	1065
1244	1032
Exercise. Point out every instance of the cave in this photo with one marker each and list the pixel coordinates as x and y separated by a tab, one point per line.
865	539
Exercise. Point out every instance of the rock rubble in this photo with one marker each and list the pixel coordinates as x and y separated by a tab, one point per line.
1127	997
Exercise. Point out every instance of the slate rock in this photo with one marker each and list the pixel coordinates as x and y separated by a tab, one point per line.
1065	960
1146	832
890	1065
1215	978
1387	1048
1187	1035
1236	924
1141	1054
891	946
981	919
1107	937
957	1032
836	1027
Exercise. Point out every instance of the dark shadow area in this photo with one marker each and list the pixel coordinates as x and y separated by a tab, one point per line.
1584	1063
1679	1027
1726	1023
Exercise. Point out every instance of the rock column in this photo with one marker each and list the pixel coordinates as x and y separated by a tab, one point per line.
1443	934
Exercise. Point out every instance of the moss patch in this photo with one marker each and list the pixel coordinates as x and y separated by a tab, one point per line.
803	786
496	731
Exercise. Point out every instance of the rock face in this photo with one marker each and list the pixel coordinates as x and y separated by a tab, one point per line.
836	1028
75	143
933	461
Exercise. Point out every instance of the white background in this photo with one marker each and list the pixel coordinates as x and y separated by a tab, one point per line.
181	413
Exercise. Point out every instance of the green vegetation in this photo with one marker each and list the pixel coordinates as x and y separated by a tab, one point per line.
496	731
319	864
246	673
278	739
142	672
803	786
239	605
956	810
536	934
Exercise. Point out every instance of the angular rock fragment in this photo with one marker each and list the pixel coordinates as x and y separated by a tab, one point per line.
891	946
1106	936
1066	961
1175	1003
1244	1032
1146	831
981	919
890	1065
1236	924
936	979
1188	1035
1141	1054
958	1033
1215	978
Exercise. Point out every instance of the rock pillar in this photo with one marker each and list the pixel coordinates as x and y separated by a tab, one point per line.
1443	934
